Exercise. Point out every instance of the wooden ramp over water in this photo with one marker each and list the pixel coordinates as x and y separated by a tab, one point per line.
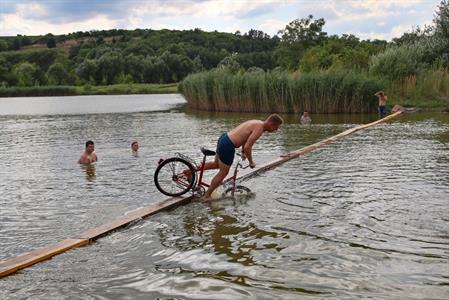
12	265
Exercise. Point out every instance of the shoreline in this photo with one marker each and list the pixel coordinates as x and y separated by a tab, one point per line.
139	89
73	90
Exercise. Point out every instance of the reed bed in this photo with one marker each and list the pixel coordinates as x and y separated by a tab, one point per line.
429	89
325	92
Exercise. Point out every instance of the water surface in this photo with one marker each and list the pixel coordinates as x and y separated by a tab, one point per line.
365	217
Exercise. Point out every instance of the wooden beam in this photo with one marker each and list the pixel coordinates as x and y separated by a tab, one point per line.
12	265
294	154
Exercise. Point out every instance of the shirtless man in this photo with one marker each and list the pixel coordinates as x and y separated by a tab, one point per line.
382	103
89	155
244	135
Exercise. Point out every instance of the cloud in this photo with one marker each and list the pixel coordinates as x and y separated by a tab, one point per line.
369	18
272	26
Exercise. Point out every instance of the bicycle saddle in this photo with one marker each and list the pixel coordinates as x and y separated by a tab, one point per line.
207	152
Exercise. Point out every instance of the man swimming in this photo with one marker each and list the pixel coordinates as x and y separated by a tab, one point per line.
244	135
89	155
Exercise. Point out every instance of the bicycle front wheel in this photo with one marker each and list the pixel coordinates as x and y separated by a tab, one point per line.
174	176
240	190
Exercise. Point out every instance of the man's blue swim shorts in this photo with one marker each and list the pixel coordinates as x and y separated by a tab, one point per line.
225	149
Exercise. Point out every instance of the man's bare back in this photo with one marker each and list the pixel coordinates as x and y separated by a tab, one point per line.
240	135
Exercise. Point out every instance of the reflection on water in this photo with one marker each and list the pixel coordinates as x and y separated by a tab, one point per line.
89	169
365	217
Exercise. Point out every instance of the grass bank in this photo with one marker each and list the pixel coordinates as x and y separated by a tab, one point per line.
116	89
323	92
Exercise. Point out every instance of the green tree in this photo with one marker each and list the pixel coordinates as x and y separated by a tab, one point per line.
87	71
110	65
230	64
51	42
25	73
298	36
134	66
58	75
3	45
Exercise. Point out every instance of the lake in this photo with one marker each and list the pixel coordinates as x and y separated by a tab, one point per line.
366	217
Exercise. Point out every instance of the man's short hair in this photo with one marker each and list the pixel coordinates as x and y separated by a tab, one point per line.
132	144
89	143
275	118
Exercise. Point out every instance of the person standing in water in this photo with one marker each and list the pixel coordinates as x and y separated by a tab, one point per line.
89	155
382	103
305	118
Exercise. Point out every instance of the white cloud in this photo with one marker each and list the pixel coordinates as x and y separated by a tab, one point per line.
31	9
17	24
272	26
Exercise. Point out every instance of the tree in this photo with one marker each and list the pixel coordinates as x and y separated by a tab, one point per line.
297	37
230	64
58	75
441	20
134	66
26	73
87	71
51	43
3	45
110	65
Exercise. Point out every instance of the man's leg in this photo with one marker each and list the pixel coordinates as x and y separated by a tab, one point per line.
212	164
217	180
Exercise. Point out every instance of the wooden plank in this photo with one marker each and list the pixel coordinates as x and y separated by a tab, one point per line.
294	154
12	265
97	232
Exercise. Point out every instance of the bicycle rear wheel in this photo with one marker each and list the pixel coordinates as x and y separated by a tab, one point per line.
174	176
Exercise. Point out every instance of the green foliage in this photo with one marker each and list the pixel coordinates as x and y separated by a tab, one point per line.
298	36
57	74
229	64
398	62
328	92
26	73
87	90
3	45
51	42
347	52
37	91
418	51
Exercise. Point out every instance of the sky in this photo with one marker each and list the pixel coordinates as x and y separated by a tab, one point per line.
366	19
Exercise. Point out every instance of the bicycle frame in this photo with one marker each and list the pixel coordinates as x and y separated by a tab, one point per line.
232	179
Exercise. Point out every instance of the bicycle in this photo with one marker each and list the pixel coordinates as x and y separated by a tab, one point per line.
177	175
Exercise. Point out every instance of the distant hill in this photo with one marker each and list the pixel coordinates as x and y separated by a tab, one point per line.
121	56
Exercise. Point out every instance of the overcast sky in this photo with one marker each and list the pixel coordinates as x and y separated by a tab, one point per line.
367	19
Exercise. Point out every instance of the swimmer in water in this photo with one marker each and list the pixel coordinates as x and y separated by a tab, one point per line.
89	155
134	148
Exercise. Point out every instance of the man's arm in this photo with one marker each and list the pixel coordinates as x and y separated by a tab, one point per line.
248	145
82	160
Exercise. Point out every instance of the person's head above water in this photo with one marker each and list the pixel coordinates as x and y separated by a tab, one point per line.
90	146
134	146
